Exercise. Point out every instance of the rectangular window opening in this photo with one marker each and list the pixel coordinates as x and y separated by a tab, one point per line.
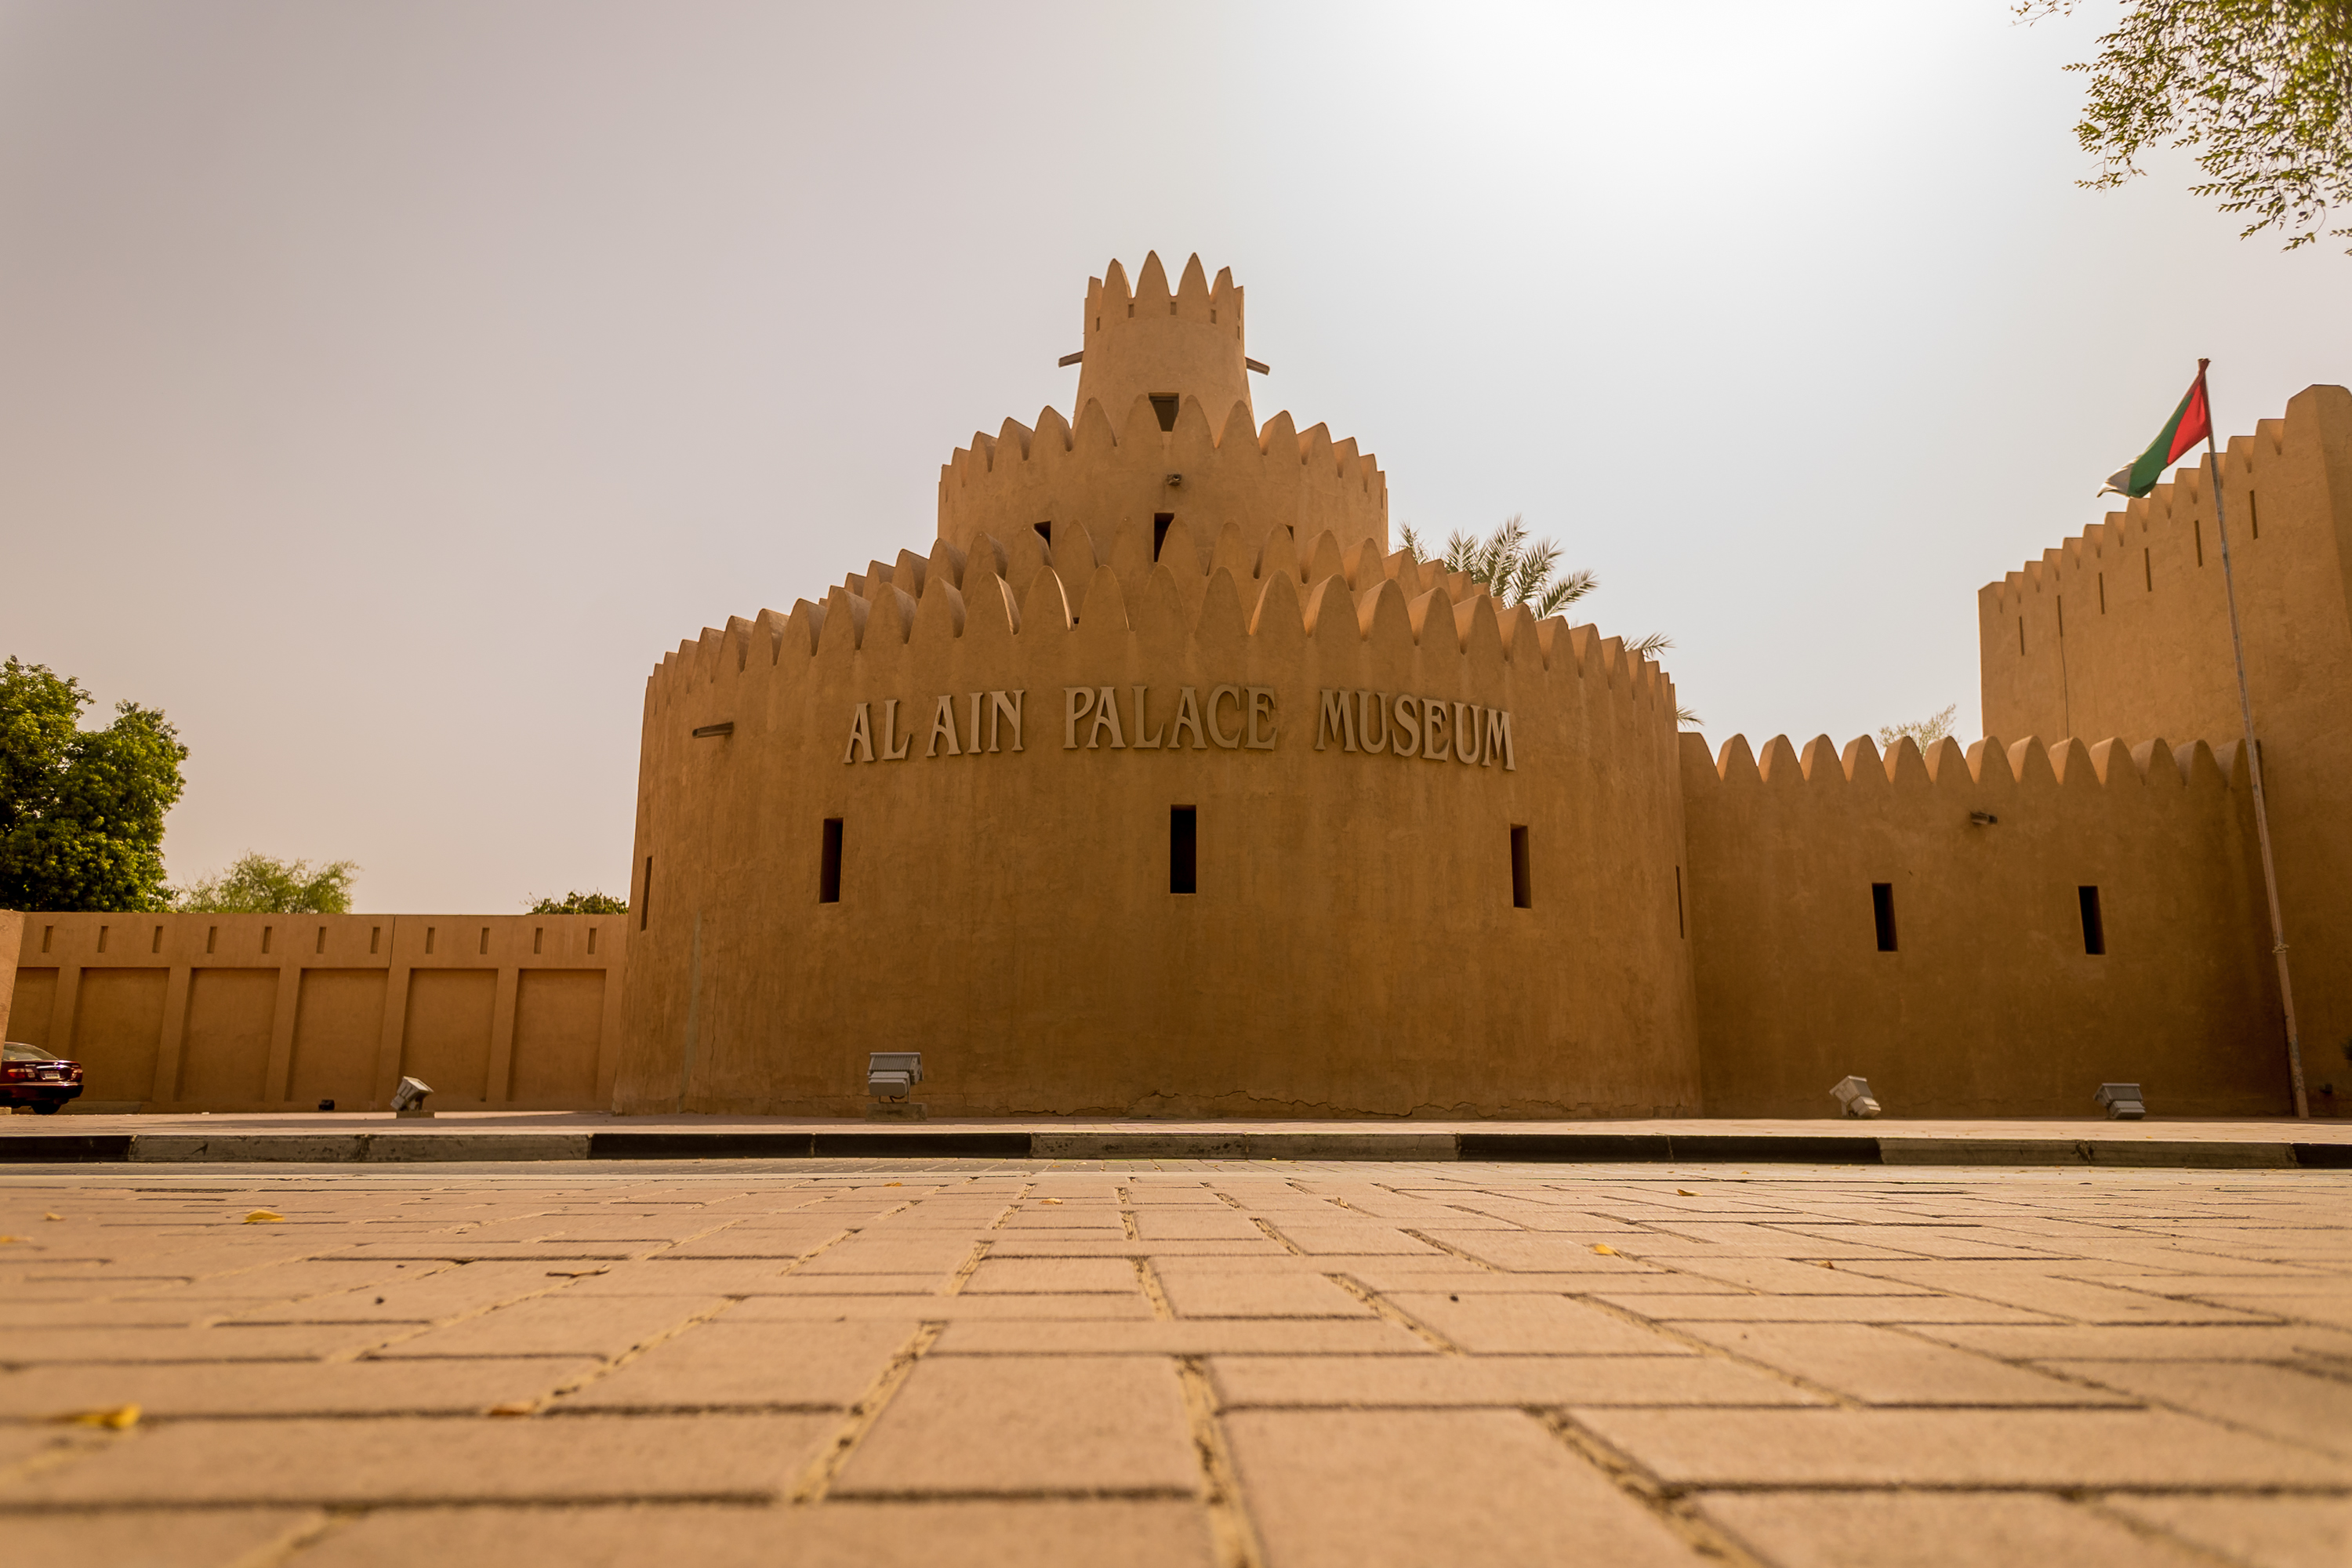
2253	516
1882	909
1164	404
2147	566
49	931
375	935
591	941
157	946
1044	530
1184	848
323	941
266	933
2021	636
1682	928
2197	525
1523	895
102	930
538	940
2102	593
2094	929
429	931
211	939
2062	616
486	940
645	894
828	877
1159	521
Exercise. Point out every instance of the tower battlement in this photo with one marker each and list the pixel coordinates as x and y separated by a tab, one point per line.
1149	342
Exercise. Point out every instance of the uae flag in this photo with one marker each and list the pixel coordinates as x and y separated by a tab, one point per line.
2189	424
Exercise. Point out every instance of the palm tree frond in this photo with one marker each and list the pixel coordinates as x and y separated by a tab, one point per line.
1650	646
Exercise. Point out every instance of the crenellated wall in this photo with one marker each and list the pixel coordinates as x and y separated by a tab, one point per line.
1989	1003
2125	630
1352	948
1199	457
209	1012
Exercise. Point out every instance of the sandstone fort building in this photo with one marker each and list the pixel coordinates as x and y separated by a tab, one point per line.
1158	782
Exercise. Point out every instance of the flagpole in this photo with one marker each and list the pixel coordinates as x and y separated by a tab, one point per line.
2254	763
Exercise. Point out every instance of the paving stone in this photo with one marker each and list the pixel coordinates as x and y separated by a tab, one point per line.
684	1277
1050	1276
809	1366
840	1535
864	1255
2299	1406
2271	1532
410	1459
1193	1224
1785	1277
1350	1382
1546	1325
285	1388
2072	1341
1886	1366
558	1325
433	1293
2047	1448
1379	1488
1418	1274
1003	1244
301	1341
1363	1240
151	1538
1194	1292
1693	1307
1952	1530
910	1285
1526	1251
2026	1285
1028	1424
1099	1306
781	1244
1199	1336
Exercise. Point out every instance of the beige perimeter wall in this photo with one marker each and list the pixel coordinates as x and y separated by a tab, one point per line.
278	1012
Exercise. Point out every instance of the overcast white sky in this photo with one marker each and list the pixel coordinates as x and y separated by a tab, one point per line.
384	387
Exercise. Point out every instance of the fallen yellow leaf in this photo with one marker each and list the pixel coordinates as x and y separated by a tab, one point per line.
1826	1264
512	1407
53	1216
1603	1248
1049	1200
1685	1193
119	1418
894	1184
265	1216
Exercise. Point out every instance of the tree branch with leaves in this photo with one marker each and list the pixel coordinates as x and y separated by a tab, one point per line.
2261	89
1518	572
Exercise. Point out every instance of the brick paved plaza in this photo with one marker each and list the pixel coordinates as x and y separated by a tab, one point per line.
1174	1363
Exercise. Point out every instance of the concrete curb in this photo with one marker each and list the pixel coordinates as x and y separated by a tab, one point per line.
418	1146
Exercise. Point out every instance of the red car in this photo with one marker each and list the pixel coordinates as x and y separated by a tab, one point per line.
31	1076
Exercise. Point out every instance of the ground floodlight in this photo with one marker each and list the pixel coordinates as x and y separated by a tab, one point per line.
408	1100
889	1074
2122	1100
1854	1094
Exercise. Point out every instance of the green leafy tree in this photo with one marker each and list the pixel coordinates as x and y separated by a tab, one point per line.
260	885
576	903
2261	89
81	811
1518	572
1925	732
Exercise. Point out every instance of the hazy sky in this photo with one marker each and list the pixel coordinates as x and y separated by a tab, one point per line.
384	387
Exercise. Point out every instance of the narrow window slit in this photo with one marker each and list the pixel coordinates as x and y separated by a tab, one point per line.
1522	878
1184	848
2095	928
828	877
1882	909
